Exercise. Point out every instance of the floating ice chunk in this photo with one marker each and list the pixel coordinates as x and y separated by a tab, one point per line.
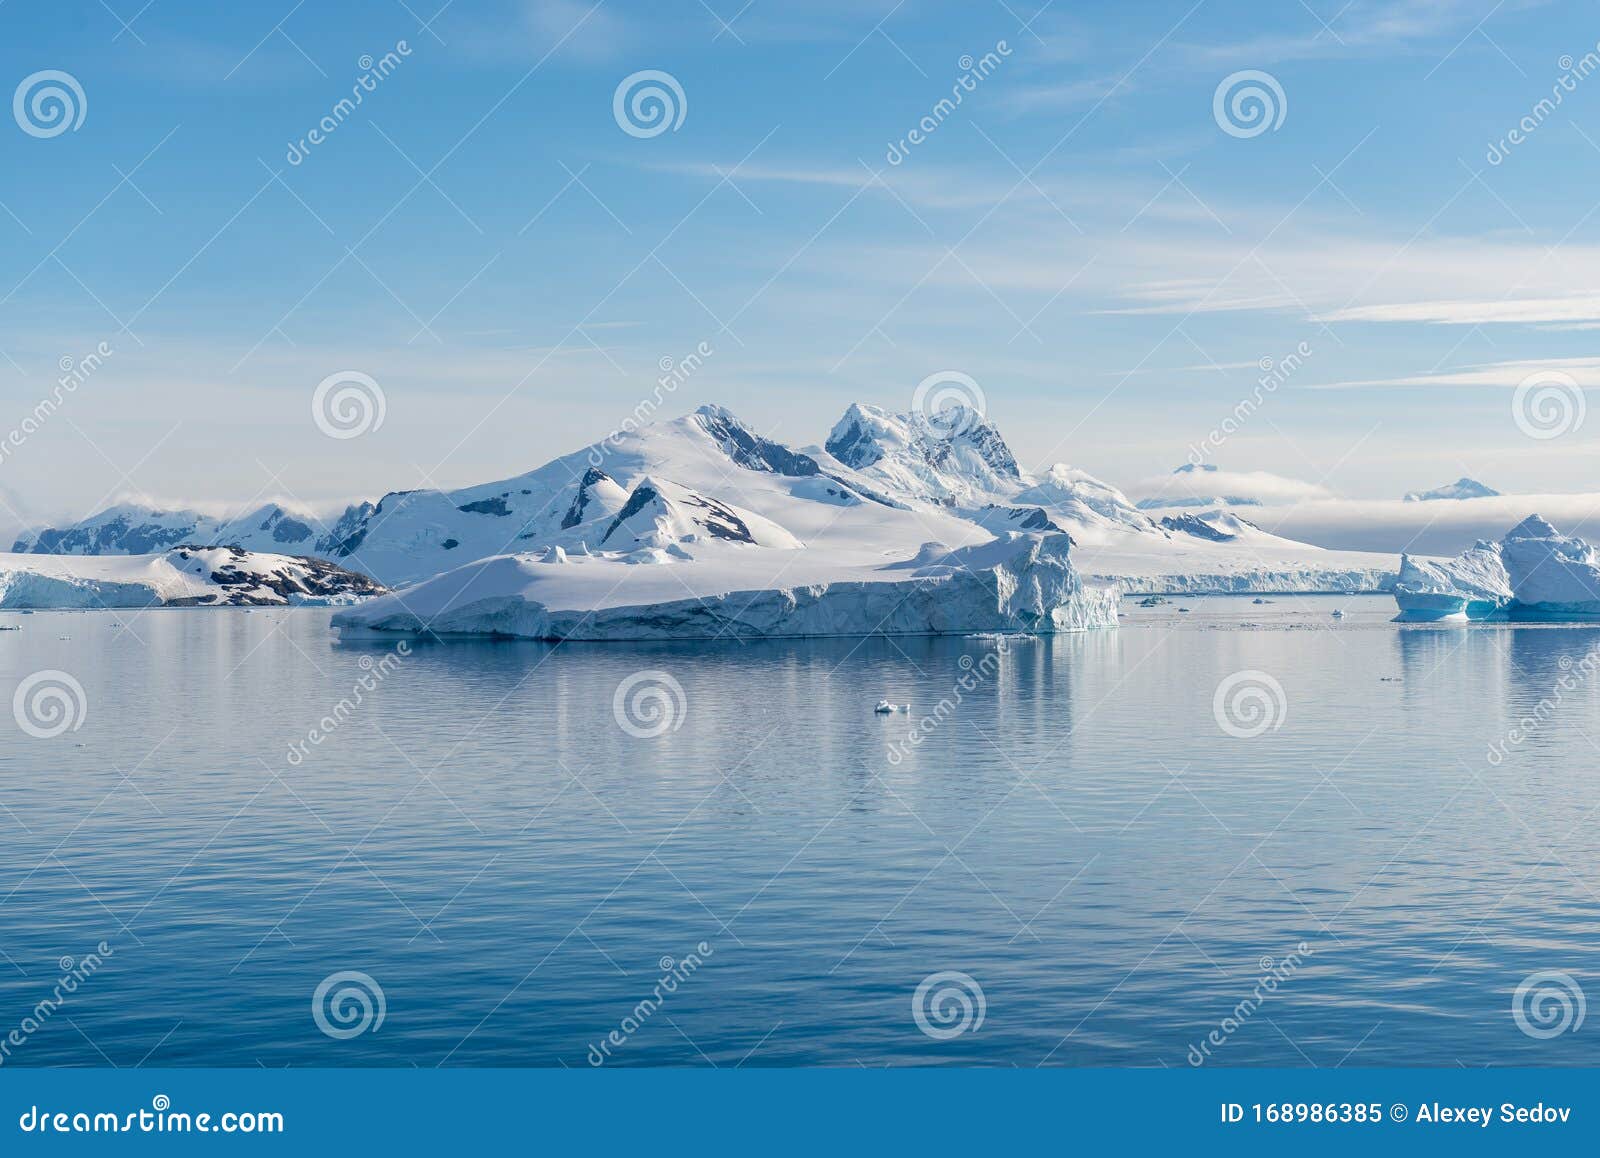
885	708
554	555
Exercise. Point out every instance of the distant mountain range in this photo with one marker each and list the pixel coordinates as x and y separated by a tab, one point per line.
720	507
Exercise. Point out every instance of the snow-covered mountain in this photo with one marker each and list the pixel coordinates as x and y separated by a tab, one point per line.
718	507
1462	488
962	463
183	577
138	529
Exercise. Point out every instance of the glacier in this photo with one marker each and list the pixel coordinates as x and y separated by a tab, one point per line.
1533	574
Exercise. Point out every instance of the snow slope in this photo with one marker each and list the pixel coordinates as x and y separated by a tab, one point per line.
184	577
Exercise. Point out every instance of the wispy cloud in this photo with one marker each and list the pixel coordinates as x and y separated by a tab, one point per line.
1497	375
1583	309
1256	485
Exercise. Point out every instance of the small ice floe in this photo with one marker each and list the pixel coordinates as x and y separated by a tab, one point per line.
1338	613
1258	600
1004	636
885	708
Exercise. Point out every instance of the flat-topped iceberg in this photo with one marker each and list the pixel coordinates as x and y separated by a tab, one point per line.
1534	574
1015	583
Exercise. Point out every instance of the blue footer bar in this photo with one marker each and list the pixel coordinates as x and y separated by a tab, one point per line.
801	1111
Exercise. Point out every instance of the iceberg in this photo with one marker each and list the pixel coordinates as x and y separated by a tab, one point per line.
1014	583
1534	574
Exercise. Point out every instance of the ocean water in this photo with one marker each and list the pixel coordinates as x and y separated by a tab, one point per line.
1081	859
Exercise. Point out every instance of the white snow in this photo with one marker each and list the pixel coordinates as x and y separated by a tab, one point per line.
1462	488
214	576
1535	573
1017	583
700	526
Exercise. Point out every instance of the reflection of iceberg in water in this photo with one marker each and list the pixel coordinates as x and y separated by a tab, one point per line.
1534	574
982	687
1524	689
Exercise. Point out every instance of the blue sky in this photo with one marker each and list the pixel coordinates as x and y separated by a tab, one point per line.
1080	235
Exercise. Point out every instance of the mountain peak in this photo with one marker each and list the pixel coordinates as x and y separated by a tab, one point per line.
955	455
1462	488
1533	527
747	448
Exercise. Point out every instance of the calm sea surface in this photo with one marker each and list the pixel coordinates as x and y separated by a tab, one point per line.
1100	871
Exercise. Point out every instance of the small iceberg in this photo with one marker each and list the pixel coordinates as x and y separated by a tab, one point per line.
885	708
1338	613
